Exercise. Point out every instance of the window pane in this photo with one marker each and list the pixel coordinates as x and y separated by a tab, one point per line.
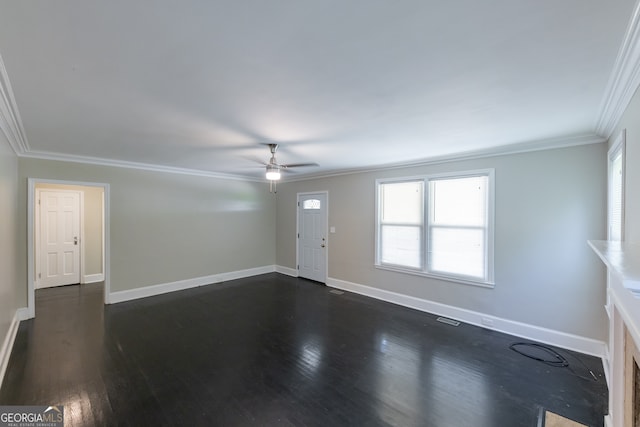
457	251
311	204
401	202
615	214
445	229
459	201
400	245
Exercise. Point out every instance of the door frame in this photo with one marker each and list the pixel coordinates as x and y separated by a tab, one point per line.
38	231
326	231
31	218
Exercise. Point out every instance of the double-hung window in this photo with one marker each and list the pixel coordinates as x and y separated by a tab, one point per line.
401	223
615	216
438	225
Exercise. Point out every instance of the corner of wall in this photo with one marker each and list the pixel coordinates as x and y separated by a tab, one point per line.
7	345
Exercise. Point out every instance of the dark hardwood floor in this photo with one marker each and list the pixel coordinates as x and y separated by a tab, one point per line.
275	350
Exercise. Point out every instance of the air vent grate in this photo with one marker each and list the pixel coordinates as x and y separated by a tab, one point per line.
448	321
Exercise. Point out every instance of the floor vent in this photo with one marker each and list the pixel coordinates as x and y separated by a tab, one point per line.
448	321
337	292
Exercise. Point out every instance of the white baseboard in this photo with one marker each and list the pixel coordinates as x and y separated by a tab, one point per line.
287	271
523	330
607	421
7	345
93	278
163	288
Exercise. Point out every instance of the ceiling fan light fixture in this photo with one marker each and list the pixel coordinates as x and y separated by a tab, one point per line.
273	173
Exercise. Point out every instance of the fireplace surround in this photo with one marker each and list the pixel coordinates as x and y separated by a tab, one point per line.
623	310
632	382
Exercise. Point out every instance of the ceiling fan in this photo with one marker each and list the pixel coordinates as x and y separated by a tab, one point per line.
274	168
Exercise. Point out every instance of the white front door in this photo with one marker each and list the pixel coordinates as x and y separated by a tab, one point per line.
312	236
59	234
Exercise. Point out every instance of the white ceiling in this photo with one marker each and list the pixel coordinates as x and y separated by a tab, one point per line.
347	84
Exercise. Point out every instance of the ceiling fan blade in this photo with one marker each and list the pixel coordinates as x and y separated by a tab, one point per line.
255	159
298	165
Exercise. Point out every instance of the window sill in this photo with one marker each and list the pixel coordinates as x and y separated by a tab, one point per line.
454	279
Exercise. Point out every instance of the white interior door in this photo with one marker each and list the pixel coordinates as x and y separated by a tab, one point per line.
312	235
59	256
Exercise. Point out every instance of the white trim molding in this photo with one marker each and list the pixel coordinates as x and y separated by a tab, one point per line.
502	150
624	79
5	351
523	330
92	278
10	121
180	285
286	271
100	161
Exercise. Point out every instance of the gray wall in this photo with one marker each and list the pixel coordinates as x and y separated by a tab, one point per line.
167	227
93	243
548	204
9	284
631	122
92	228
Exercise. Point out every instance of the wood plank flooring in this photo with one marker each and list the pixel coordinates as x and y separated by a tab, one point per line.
273	350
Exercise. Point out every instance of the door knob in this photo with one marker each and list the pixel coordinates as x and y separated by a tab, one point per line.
75	240
322	245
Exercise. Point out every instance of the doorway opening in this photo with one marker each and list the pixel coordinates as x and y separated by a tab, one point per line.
67	235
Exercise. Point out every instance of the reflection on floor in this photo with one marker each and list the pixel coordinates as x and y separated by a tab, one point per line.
276	350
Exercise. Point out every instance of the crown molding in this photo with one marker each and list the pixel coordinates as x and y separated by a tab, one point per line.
45	155
503	150
10	121
624	79
622	85
12	127
547	144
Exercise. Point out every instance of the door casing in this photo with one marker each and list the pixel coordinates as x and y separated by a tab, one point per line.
31	204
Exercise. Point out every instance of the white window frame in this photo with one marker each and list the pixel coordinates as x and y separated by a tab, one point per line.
422	226
488	281
617	148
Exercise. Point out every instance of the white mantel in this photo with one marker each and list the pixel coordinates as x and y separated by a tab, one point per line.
623	259
623	262
623	308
